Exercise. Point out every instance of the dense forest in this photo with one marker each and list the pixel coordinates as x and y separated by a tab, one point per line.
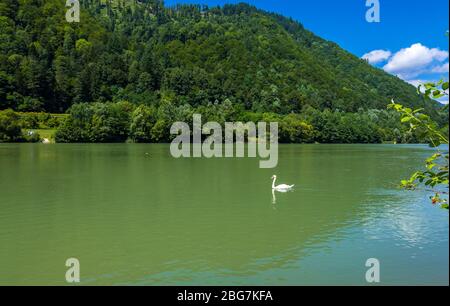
130	69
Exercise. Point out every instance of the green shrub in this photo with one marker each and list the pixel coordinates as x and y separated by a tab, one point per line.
29	120
32	136
294	130
40	120
160	131
10	130
96	122
143	120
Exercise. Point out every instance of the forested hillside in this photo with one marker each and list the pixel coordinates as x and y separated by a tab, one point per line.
235	62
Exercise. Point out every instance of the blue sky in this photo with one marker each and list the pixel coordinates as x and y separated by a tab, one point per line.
409	41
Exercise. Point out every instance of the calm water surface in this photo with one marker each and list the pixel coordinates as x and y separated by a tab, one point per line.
132	214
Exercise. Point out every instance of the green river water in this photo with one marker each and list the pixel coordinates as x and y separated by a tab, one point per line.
134	215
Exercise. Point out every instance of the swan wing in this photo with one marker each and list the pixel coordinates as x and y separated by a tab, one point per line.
284	186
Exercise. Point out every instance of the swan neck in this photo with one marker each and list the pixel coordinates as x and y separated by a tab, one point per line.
273	183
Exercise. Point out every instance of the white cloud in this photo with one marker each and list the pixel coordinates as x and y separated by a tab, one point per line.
416	64
377	56
415	60
440	69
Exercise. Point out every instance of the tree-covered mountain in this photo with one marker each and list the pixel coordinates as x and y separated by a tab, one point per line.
175	59
141	50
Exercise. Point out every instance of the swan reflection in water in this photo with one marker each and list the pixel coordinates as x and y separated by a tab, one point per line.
274	191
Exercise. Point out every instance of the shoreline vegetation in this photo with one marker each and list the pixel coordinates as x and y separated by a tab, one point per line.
124	122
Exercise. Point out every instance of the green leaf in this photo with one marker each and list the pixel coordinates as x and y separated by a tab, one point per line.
437	94
423	117
406	119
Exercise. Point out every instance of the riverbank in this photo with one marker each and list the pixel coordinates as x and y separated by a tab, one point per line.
45	135
124	122
29	127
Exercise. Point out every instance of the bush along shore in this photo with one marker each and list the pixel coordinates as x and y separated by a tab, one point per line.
125	122
29	127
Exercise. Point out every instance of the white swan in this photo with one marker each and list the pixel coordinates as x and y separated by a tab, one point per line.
282	187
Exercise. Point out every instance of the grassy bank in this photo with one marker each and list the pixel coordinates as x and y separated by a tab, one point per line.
43	133
28	127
